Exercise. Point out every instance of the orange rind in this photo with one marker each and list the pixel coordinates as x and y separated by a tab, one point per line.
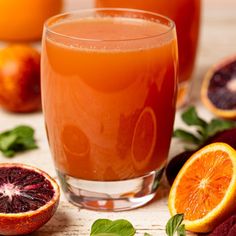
28	198
205	188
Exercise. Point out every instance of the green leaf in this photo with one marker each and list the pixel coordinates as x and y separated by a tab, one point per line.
20	138
173	224
204	130
186	136
146	234
216	126
23	131
8	153
7	141
99	225
181	230
105	227
190	117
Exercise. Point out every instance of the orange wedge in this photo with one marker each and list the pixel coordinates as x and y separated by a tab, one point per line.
205	188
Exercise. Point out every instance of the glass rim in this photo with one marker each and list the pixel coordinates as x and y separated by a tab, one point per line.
54	19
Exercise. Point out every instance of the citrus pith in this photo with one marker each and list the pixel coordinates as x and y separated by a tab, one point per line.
205	188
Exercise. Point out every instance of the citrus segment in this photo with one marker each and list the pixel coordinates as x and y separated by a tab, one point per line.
144	138
205	188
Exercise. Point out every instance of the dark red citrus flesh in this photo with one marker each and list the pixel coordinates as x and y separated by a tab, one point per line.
220	92
23	190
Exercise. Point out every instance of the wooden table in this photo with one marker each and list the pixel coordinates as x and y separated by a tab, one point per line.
218	39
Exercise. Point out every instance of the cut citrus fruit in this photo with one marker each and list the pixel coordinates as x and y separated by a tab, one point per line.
144	138
205	188
218	90
28	198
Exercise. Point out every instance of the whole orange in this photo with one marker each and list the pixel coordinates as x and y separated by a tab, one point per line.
20	78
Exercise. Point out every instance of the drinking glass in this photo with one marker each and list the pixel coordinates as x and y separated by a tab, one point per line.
109	81
186	14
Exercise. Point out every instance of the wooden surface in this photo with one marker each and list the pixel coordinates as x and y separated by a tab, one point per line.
218	40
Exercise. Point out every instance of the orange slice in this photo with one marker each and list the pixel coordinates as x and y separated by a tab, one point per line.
144	138
205	188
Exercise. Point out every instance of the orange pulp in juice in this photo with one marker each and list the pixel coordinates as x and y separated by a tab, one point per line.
109	103
186	15
23	19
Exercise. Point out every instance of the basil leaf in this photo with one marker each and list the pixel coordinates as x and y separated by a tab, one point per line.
173	224
216	126
190	117
105	227
181	230
186	136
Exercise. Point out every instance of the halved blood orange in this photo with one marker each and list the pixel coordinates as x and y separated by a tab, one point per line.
28	198
218	90
205	188
144	138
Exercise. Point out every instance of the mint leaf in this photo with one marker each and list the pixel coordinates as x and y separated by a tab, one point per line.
173	224
181	230
204	130
23	131
8	153
105	227
186	136
7	141
216	126
19	139
190	117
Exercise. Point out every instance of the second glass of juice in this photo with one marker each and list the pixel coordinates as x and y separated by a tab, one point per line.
109	93
186	15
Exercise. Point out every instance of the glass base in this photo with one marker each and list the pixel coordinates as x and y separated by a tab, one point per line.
110	195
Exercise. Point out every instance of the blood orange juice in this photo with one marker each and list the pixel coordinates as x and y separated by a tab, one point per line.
109	83
186	15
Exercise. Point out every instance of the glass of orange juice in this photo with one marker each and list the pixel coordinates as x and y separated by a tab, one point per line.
22	20
186	15
109	93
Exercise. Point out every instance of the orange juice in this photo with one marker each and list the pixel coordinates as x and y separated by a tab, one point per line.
186	15
23	19
109	100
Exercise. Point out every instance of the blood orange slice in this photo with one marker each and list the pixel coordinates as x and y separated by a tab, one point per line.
144	138
218	90
205	188
28	198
